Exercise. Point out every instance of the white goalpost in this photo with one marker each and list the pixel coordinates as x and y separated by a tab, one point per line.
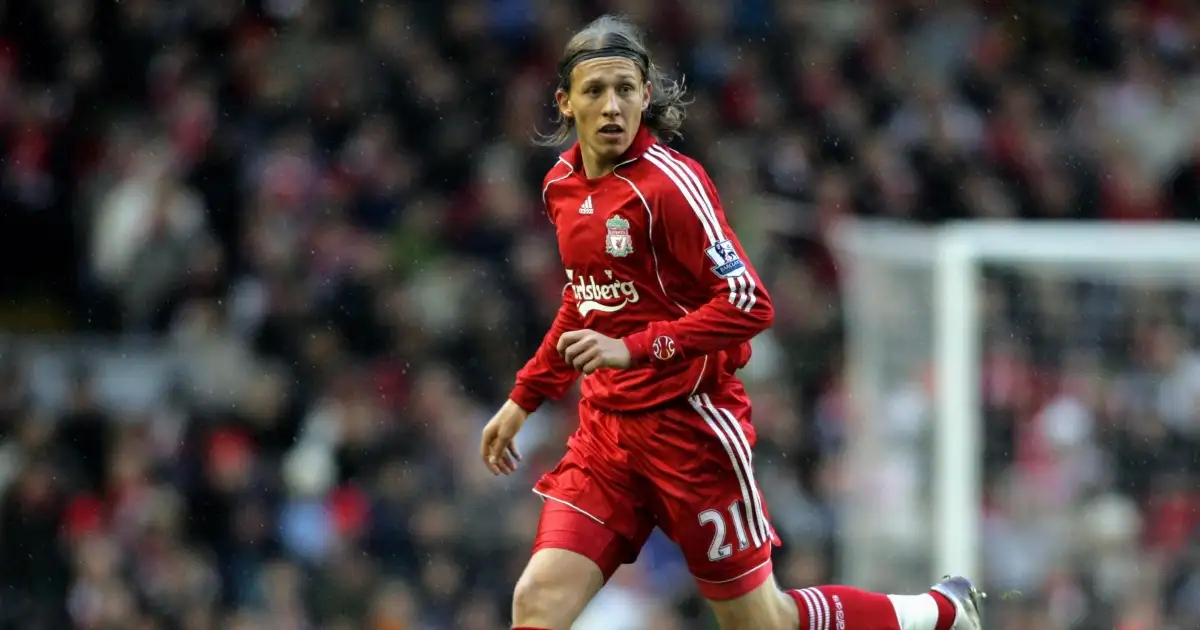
916	308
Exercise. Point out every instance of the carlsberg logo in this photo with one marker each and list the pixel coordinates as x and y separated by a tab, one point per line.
603	297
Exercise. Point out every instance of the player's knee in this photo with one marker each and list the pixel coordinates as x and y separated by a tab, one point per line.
770	618
555	588
538	597
541	598
763	608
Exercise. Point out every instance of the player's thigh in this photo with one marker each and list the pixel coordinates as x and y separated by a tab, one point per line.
764	607
564	528
555	587
573	556
707	498
595	479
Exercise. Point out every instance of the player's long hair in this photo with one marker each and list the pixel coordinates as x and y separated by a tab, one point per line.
665	114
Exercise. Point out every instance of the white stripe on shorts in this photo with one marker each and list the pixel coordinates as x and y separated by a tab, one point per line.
756	516
733	440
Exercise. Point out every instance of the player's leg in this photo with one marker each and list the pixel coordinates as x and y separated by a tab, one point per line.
952	604
763	606
573	556
593	521
710	504
697	458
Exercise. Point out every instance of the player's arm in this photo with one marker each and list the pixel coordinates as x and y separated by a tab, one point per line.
692	222
547	376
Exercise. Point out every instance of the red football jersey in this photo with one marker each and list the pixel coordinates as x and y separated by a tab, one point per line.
649	259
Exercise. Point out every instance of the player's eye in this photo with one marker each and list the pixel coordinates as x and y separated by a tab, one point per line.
627	89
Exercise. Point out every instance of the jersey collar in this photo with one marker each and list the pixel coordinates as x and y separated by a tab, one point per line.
642	141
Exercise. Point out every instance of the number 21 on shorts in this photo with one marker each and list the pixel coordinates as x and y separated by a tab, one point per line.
720	549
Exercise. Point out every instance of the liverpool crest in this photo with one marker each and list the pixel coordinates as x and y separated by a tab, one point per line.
618	242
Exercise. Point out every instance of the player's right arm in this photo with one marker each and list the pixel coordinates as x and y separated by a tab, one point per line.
546	376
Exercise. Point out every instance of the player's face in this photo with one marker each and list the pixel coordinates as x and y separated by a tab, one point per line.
606	101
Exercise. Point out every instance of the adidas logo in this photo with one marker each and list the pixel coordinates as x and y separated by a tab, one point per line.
586	208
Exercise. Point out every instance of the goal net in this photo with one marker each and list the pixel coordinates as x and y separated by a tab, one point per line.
1026	403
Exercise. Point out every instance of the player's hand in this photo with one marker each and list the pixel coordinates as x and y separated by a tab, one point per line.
497	448
588	351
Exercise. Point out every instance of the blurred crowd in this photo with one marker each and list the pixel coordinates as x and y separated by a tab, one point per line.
293	252
1093	456
1090	386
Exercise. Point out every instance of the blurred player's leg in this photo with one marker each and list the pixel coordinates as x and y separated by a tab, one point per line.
708	502
593	521
554	589
953	604
574	555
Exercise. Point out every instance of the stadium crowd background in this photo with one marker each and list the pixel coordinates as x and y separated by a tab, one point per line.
284	257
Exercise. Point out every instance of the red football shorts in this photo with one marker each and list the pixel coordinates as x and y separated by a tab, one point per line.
686	469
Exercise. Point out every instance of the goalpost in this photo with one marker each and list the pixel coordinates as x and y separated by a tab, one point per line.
919	303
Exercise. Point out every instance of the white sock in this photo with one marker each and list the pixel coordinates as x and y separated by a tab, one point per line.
915	612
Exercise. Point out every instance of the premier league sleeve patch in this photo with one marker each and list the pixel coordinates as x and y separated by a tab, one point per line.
726	262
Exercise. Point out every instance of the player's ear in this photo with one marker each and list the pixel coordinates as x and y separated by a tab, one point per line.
647	92
564	103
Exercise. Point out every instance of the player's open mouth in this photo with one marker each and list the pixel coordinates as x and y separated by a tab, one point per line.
611	131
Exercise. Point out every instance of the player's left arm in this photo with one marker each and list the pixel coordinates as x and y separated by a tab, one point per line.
692	221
